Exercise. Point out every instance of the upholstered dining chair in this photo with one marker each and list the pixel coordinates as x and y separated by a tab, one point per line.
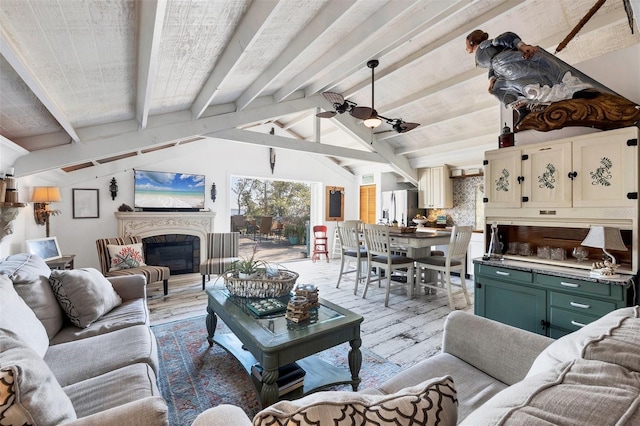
351	248
380	255
152	273
453	261
222	251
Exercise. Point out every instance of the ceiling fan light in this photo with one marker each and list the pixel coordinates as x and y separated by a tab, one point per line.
372	122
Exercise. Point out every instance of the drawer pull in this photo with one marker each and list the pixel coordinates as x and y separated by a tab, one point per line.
580	305
577	324
572	285
506	274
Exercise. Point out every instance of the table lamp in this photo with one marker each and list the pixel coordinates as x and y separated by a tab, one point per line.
42	196
605	238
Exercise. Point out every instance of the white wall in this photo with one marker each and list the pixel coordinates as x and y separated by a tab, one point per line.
217	160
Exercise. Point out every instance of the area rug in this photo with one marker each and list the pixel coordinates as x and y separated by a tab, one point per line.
194	377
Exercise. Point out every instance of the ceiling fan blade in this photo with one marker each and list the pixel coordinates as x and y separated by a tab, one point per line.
383	131
334	98
326	114
362	112
406	127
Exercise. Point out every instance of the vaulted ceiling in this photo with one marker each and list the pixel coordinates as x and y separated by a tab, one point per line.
88	82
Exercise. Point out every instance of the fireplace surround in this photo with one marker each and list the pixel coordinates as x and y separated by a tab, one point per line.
149	224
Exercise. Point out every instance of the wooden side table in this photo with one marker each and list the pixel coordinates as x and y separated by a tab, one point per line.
65	262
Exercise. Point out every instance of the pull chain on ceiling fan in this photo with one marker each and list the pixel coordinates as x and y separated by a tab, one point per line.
369	115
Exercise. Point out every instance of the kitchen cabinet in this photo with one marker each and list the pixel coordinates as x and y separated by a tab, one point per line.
435	190
586	171
544	303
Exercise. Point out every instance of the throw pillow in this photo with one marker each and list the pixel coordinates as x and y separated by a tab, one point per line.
433	402
126	256
17	317
29	393
84	294
30	276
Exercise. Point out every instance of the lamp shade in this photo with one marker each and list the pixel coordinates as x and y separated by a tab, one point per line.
604	237
46	194
372	122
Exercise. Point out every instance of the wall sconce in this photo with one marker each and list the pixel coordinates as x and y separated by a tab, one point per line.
42	196
272	159
113	188
214	192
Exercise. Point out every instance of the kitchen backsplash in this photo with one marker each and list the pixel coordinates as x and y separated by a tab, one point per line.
468	208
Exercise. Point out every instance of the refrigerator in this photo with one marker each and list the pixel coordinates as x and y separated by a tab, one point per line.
400	205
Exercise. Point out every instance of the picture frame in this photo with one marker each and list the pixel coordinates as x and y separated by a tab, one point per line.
86	204
334	210
46	248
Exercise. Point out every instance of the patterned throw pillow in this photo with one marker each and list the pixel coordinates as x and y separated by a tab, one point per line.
125	257
84	294
433	402
29	393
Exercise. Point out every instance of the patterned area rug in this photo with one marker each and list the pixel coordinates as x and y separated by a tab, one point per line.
194	377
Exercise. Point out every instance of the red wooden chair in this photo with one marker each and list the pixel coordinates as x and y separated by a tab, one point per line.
320	242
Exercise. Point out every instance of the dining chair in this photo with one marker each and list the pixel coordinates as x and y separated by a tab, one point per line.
453	261
380	255
351	248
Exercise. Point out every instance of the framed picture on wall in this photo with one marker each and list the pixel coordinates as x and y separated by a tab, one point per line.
85	203
46	248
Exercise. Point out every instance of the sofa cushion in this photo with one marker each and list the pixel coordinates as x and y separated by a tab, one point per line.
578	392
128	314
29	393
84	294
613	338
125	256
473	386
102	353
113	389
30	276
17	317
433	402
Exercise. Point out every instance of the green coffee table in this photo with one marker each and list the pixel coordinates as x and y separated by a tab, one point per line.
274	342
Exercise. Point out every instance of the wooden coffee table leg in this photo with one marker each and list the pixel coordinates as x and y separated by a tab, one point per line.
355	362
269	392
212	320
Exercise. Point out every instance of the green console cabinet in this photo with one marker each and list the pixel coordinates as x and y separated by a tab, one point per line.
548	302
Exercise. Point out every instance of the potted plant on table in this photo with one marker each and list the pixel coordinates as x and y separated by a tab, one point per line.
248	267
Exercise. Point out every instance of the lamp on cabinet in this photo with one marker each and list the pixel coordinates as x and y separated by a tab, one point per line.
605	238
42	196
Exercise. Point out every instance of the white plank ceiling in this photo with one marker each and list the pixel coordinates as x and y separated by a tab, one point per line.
84	82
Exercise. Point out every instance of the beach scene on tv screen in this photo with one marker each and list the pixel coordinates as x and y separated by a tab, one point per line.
168	190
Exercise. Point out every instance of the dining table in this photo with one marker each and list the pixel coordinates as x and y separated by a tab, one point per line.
417	245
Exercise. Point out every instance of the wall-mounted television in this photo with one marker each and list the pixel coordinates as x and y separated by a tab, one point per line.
165	191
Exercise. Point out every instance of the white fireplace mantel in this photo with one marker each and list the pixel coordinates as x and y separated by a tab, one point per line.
149	224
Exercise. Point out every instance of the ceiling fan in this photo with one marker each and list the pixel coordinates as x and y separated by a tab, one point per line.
369	115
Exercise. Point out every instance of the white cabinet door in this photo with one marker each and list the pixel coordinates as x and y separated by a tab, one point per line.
501	172
435	188
545	170
607	172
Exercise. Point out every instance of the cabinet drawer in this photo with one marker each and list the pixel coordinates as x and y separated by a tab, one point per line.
569	320
581	305
580	287
505	274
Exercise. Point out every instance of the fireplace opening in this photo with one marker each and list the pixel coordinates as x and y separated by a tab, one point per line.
180	253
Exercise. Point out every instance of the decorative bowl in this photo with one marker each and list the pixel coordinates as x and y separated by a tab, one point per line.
419	222
260	285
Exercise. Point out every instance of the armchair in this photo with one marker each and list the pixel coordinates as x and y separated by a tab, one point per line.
222	251
150	272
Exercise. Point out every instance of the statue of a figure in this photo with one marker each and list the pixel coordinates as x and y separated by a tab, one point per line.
528	78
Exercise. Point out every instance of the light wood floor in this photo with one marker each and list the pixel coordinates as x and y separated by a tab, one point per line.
406	332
